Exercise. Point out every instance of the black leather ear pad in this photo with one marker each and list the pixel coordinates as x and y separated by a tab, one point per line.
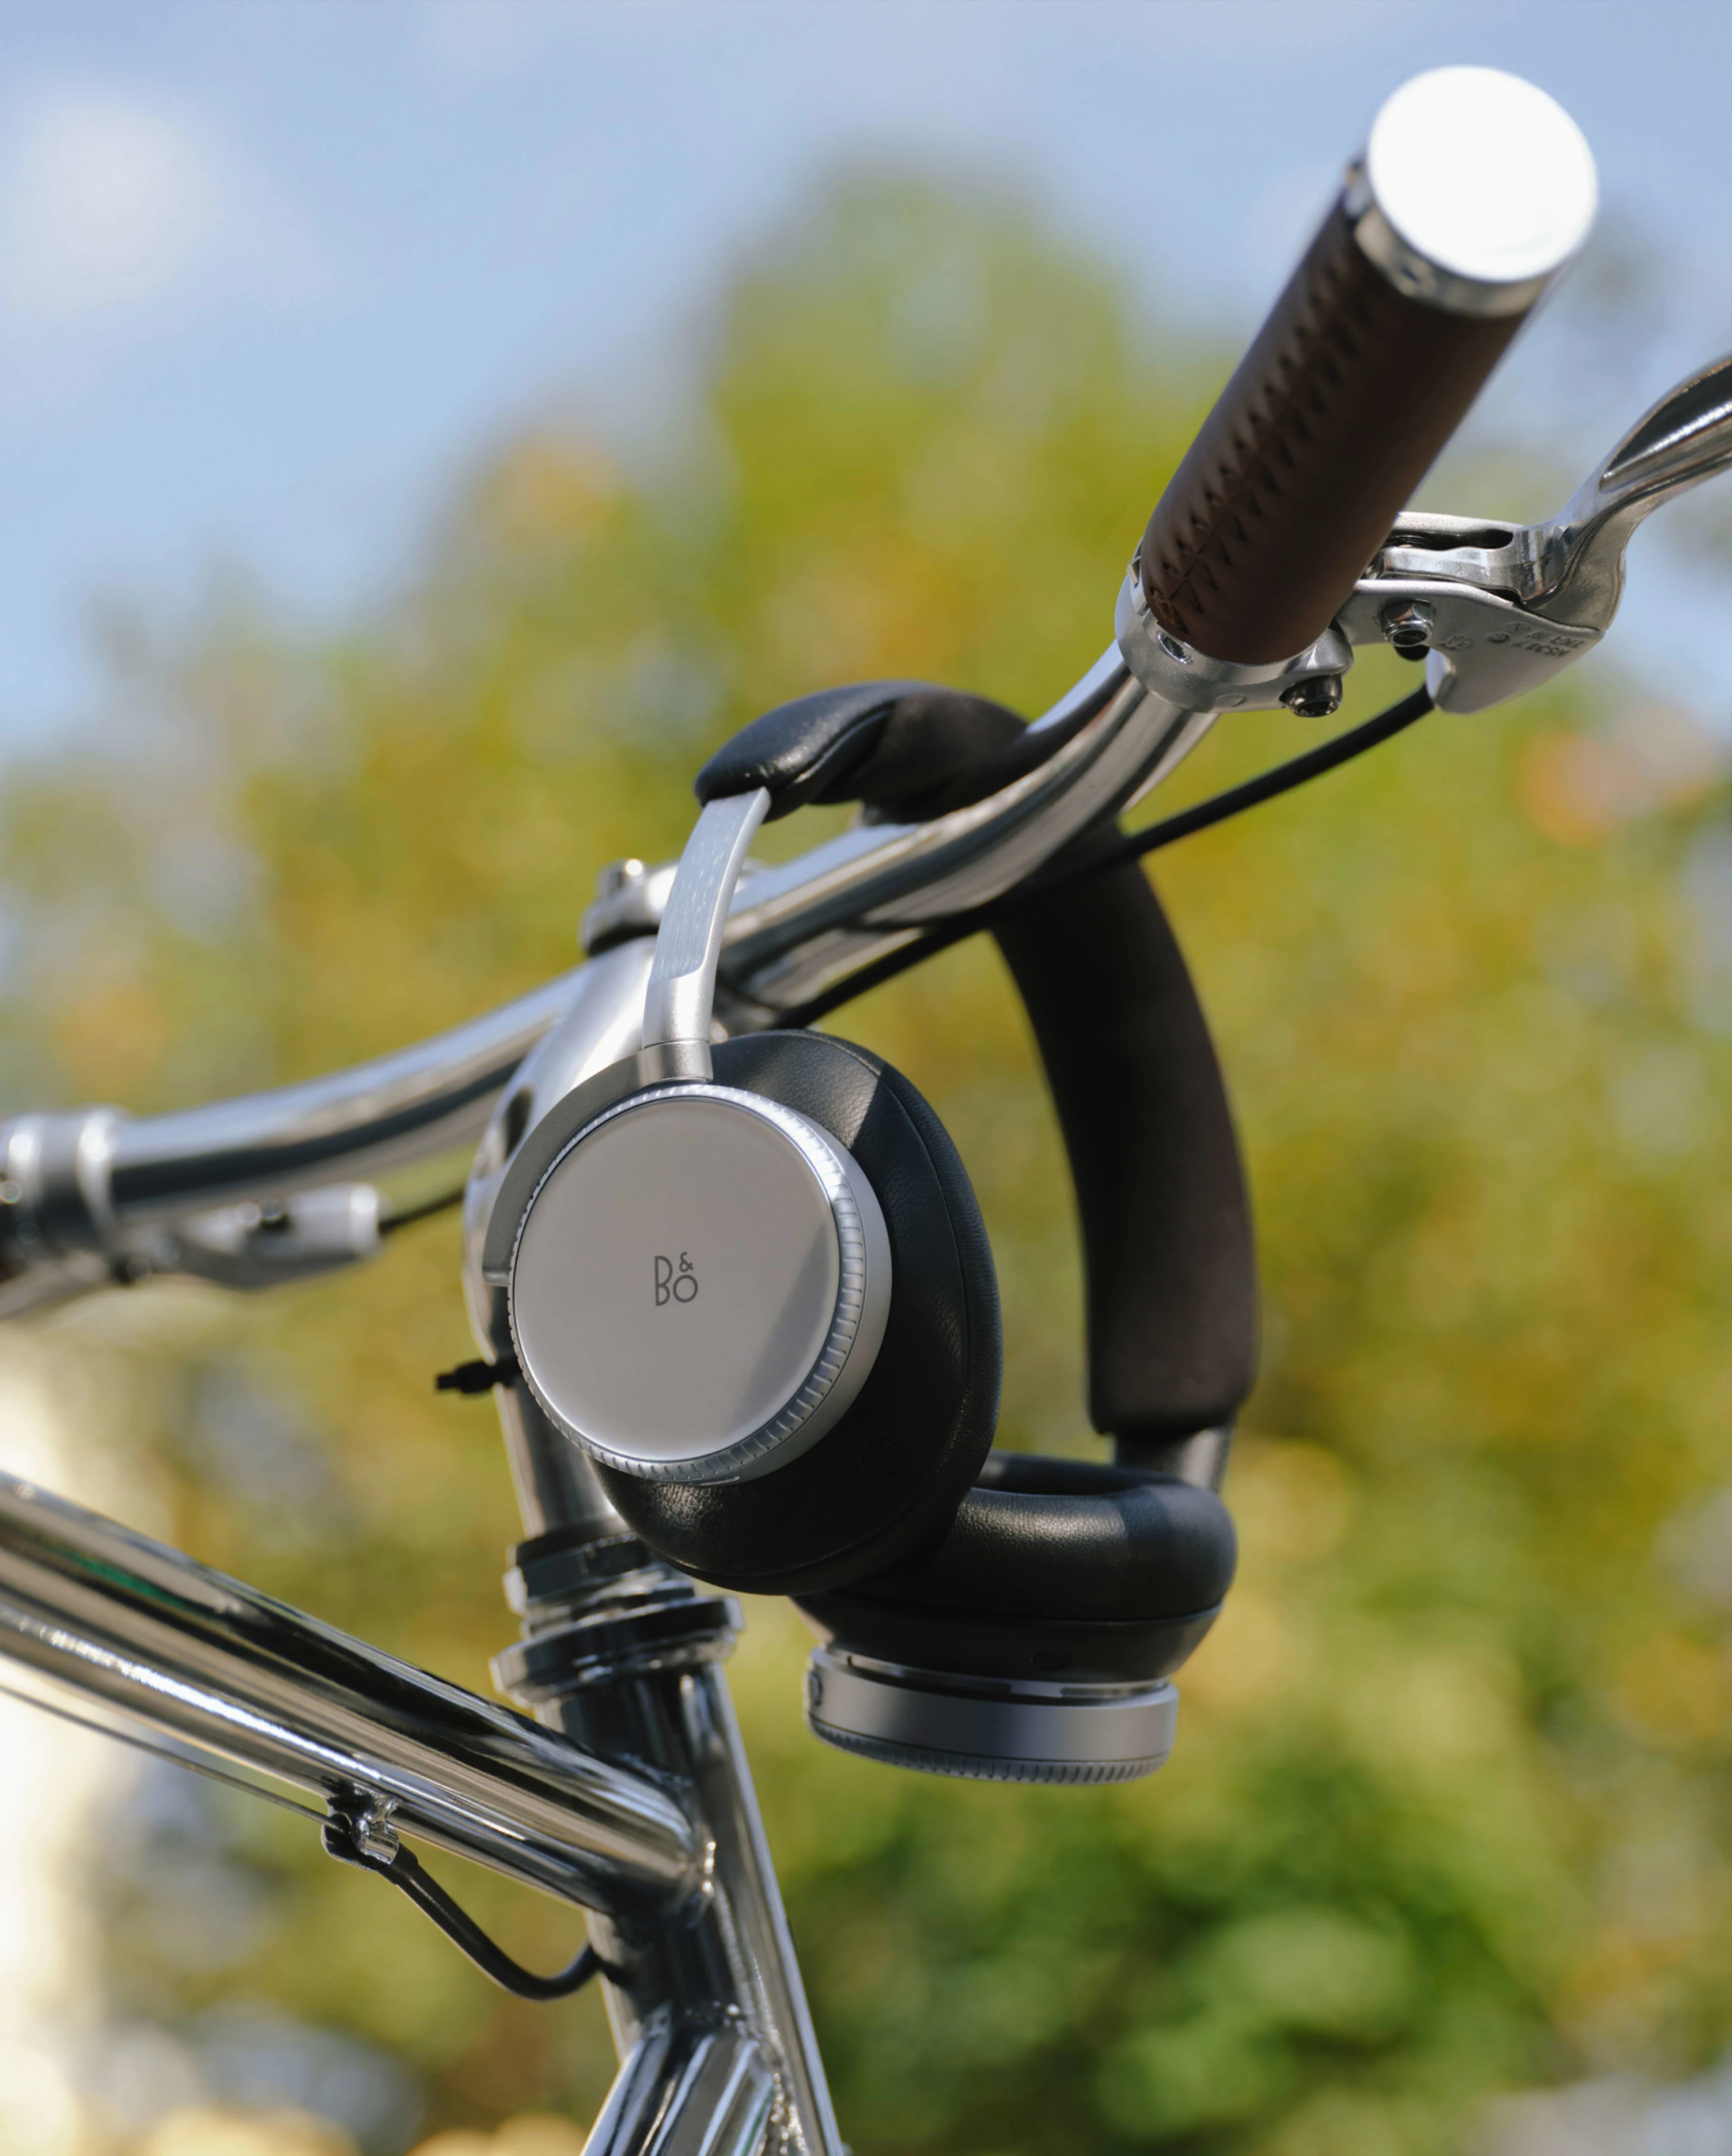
891	1473
1160	1193
1065	1568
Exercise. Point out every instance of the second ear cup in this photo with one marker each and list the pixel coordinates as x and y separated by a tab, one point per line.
888	1476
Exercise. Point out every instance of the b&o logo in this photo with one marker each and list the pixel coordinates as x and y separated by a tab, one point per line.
674	1284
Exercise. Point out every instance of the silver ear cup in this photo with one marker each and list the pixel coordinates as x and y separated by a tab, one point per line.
699	1286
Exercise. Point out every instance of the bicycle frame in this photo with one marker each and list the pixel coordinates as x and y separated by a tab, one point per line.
640	1808
629	1793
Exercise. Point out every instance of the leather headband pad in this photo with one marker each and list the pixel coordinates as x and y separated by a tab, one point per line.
908	745
1166	1219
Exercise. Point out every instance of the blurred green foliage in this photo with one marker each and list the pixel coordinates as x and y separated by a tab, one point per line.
1444	1816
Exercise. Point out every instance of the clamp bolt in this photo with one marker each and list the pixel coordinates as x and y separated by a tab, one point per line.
1317	697
617	876
1406	626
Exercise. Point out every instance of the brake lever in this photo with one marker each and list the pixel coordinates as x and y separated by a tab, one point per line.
1500	609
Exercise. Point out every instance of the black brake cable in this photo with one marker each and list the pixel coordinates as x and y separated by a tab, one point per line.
1233	801
341	1839
1265	787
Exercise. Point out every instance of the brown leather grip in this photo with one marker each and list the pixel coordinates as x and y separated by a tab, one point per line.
1327	426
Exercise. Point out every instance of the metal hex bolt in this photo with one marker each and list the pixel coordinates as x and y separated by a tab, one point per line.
1406	626
615	877
1317	697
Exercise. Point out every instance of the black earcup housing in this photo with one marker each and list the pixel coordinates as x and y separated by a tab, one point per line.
891	1472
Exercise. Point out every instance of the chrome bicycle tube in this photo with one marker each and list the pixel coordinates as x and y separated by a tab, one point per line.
688	2093
410	1106
142	1629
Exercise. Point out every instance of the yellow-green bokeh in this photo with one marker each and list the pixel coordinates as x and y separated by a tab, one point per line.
1444	1815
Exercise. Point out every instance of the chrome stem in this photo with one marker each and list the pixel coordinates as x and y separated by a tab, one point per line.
734	1968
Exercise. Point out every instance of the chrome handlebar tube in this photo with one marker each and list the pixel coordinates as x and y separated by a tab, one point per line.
91	1196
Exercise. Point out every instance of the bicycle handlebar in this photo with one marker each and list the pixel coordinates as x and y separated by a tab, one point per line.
1474	190
87	1195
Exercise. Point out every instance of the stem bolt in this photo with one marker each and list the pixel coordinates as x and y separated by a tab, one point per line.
1317	697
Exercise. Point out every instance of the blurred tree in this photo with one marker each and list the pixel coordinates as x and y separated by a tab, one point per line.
1443	1818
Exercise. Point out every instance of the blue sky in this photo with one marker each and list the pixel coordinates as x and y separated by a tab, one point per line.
273	272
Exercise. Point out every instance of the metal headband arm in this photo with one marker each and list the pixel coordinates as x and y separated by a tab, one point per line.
680	993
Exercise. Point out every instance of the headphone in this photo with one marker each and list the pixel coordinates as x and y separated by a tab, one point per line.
754	1286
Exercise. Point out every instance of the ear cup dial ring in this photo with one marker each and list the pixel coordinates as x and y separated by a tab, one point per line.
700	1285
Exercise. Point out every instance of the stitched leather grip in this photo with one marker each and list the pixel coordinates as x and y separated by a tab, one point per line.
1333	416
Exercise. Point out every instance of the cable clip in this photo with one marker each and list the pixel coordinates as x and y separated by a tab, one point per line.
361	1831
